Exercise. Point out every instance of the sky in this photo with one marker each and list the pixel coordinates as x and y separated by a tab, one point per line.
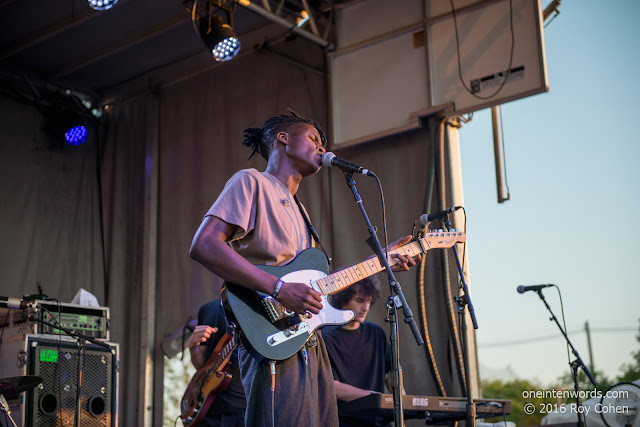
572	168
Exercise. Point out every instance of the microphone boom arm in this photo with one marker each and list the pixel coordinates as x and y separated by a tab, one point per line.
575	365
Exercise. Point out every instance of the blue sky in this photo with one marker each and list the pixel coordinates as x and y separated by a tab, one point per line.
572	168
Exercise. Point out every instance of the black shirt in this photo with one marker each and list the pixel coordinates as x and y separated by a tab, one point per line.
360	357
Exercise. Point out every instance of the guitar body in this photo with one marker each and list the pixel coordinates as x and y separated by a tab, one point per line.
267	330
207	383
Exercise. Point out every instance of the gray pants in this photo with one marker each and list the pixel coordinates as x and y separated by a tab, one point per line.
304	392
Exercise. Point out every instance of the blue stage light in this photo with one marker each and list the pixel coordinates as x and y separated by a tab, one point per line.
76	135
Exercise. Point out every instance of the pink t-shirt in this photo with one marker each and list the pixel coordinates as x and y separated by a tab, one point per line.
271	230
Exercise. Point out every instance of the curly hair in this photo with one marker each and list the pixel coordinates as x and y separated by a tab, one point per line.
367	287
260	140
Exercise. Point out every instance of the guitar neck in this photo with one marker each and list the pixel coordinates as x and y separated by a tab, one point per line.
344	278
218	358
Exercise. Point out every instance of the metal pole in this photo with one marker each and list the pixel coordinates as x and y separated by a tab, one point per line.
588	331
497	150
147	367
457	199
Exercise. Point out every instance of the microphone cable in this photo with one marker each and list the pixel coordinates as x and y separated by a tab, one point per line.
384	217
564	323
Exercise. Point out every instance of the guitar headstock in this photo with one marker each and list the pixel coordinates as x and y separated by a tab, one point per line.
444	239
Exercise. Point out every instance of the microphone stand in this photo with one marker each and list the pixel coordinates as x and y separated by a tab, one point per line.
465	301
81	342
575	365
392	305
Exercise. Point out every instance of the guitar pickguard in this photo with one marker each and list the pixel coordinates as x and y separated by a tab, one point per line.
268	330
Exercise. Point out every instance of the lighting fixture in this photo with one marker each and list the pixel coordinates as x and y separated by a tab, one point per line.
102	4
219	37
216	33
76	135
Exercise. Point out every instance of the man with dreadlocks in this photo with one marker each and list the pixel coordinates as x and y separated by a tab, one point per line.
256	221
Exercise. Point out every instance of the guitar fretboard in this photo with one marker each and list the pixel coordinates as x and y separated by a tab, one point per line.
224	353
344	278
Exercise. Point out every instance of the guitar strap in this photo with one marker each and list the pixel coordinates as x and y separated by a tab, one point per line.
312	230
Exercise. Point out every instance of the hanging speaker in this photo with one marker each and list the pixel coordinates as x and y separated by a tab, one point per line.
54	401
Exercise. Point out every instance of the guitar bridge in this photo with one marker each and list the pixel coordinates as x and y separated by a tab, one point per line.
274	309
287	334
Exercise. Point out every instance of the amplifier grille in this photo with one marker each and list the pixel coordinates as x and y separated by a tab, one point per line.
53	403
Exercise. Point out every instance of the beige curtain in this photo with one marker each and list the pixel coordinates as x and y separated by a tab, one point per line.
123	177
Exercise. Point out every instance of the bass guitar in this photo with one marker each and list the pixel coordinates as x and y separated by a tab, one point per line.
207	383
269	330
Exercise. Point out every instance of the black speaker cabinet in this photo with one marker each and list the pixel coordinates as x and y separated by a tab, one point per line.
53	403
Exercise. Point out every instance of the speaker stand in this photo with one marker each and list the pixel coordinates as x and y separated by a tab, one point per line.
81	347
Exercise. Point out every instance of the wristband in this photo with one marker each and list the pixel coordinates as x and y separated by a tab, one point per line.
276	292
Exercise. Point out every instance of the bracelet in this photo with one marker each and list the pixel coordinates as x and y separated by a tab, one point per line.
276	292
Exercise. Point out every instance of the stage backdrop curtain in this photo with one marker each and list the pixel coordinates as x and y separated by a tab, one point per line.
123	187
50	216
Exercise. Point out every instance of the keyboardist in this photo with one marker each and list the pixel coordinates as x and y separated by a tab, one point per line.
359	351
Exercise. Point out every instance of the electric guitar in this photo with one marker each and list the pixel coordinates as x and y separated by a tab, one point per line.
271	331
207	383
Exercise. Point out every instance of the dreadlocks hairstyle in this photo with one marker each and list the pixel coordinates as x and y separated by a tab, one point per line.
260	140
368	287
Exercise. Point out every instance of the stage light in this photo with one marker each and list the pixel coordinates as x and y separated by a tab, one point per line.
102	4
76	135
219	37
216	33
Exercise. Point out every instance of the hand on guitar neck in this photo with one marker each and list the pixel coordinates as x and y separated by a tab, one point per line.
402	262
200	335
300	298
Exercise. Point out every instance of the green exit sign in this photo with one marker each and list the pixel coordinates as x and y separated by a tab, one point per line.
48	355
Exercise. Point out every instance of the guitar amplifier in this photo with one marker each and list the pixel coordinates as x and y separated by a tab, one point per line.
54	358
90	321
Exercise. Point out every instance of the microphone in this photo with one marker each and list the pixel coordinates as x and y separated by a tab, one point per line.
426	219
537	288
14	303
329	159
